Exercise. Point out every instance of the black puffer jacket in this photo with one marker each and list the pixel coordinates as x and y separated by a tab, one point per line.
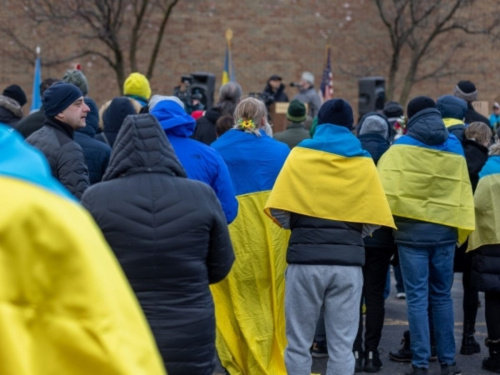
65	156
476	156
205	130
171	238
486	268
325	242
31	123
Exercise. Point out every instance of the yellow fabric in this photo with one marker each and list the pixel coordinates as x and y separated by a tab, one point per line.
428	185
452	121
225	77
137	84
65	305
249	302
329	186
487	209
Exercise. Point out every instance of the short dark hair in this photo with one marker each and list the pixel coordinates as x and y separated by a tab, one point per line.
46	83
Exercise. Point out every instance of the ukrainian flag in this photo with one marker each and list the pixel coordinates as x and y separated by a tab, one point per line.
487	206
429	183
65	304
228	72
330	177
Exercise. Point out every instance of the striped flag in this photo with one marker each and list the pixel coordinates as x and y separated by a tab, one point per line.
36	100
326	80
228	72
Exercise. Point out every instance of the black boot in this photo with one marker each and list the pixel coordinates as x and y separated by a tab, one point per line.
469	344
372	361
492	363
358	360
403	354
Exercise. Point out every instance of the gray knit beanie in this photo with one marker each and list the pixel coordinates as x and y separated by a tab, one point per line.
375	125
466	90
77	78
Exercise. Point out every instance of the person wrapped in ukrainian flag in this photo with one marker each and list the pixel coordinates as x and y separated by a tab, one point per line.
65	304
249	302
330	196
484	243
426	181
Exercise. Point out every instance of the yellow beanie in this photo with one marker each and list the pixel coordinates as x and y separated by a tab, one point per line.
138	85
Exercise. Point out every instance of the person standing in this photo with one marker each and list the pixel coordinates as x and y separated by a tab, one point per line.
296	130
308	95
329	195
430	222
495	117
65	111
467	91
275	89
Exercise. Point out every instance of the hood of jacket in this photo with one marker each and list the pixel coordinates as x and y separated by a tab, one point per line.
174	119
427	126
452	107
115	114
11	105
212	114
92	120
141	146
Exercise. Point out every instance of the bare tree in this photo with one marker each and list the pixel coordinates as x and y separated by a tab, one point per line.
427	31
109	29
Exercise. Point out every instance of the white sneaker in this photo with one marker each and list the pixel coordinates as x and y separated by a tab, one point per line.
401	295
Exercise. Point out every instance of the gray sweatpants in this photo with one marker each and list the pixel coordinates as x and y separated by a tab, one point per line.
336	288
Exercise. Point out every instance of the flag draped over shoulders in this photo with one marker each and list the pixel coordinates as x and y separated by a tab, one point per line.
249	302
429	183
330	177
487	206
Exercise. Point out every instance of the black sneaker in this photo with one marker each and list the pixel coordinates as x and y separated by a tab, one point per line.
450	370
372	362
404	354
358	358
319	349
469	345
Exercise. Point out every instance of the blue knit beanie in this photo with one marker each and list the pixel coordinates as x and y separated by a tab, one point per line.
58	97
336	112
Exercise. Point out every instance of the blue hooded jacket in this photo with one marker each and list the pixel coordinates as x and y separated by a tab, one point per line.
452	107
201	162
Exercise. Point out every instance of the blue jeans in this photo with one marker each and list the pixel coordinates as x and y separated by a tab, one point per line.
428	277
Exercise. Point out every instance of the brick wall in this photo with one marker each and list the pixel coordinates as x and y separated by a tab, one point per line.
282	37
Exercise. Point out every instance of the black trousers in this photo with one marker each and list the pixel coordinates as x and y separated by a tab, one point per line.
375	276
492	313
471	295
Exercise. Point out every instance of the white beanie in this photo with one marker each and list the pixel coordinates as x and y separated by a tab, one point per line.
309	77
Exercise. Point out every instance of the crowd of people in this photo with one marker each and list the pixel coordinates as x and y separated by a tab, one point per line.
137	238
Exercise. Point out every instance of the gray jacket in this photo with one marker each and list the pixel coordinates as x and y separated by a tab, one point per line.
65	156
312	99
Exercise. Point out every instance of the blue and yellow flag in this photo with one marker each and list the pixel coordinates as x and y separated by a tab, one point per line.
228	72
330	177
36	99
487	206
429	183
250	301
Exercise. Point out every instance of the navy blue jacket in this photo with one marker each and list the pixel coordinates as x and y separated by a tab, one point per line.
426	126
96	153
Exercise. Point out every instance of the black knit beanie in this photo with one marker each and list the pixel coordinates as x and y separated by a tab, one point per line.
15	92
58	97
336	112
393	109
466	90
418	104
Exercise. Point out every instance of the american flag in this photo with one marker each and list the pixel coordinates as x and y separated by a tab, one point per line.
326	80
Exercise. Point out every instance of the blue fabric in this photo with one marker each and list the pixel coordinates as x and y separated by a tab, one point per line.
22	161
492	166
201	162
422	233
452	107
253	162
346	143
174	119
452	144
428	278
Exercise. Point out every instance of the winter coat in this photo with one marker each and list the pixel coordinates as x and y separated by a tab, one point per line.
65	156
476	156
293	135
472	115
10	111
278	96
326	242
486	268
205	130
171	239
96	153
200	161
312	99
31	123
427	127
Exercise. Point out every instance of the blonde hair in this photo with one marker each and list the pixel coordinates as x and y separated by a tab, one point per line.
494	149
479	132
251	110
